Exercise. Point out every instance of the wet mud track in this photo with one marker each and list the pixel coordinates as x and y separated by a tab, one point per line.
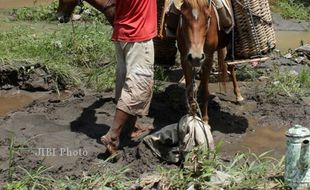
62	132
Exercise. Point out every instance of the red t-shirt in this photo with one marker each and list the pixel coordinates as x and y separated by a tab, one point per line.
135	20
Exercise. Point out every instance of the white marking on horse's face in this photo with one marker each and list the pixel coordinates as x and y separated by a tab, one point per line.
195	13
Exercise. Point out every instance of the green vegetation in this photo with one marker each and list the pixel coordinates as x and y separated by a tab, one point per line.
39	179
248	72
245	170
36	13
304	78
159	77
298	9
78	53
47	13
289	83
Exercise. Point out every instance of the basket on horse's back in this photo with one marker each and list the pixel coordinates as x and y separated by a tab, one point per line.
254	33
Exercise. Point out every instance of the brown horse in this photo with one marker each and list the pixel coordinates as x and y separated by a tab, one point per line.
198	38
66	8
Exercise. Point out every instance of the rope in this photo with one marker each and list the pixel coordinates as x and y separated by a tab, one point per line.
233	44
249	12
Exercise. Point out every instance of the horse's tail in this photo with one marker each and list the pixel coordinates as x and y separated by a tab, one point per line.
222	66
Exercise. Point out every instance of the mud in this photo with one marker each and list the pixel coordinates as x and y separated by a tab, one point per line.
69	126
30	77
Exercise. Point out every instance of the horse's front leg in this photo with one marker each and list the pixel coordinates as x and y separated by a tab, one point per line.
188	75
206	69
237	92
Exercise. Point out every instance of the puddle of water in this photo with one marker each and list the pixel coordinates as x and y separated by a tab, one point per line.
13	100
265	139
4	4
291	39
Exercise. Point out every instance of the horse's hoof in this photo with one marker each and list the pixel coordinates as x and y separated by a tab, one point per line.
240	99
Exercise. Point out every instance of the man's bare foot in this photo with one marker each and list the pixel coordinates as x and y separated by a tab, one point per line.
111	147
141	128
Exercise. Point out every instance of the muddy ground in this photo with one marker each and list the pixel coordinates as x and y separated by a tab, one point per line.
70	125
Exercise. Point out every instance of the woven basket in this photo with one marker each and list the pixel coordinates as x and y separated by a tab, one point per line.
254	33
165	48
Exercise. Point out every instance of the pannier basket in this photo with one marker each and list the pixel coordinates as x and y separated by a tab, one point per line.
254	34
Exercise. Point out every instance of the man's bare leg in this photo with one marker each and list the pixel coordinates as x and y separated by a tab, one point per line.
111	139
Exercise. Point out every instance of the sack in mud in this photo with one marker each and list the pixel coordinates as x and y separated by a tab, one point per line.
174	141
194	132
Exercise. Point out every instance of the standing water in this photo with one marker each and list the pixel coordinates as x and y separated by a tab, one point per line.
291	40
13	100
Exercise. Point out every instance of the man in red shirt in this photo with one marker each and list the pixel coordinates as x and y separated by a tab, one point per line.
135	25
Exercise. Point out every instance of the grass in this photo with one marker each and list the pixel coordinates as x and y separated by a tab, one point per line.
159	77
289	83
71	53
304	78
292	9
47	13
80	55
244	171
36	13
249	73
39	178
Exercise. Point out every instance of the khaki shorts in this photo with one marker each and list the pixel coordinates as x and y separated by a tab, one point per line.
134	76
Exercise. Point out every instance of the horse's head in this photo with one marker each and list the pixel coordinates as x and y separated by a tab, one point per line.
193	27
65	9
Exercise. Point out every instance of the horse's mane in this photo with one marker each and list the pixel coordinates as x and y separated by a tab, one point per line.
196	4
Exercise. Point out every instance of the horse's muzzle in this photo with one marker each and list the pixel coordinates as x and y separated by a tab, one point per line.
196	61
